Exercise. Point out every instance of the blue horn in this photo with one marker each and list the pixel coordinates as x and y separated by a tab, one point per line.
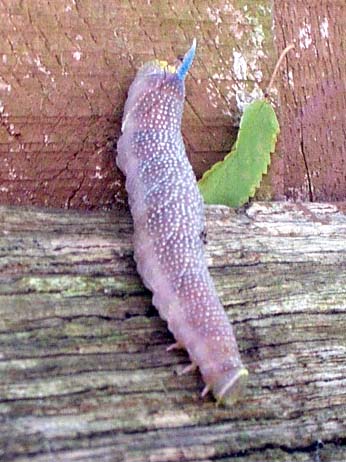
184	67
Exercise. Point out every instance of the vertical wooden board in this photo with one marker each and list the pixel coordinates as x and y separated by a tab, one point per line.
312	100
65	68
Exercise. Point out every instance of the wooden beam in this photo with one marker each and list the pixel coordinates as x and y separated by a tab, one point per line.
65	70
84	372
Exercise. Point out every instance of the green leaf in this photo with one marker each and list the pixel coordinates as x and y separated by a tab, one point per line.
235	179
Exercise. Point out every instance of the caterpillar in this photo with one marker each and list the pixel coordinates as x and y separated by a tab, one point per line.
168	217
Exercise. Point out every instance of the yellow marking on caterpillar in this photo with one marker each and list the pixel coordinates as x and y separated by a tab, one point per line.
165	66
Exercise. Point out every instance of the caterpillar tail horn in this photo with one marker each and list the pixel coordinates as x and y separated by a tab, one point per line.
184	67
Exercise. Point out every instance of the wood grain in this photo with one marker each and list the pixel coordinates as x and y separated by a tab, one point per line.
312	100
66	67
84	372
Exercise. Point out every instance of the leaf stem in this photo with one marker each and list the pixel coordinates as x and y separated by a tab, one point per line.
279	61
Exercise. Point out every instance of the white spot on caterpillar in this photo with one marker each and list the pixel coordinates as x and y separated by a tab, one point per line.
305	39
324	28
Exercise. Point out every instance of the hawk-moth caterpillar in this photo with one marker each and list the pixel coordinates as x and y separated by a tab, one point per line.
168	216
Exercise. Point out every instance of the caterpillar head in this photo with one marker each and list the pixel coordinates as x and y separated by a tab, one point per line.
156	95
158	67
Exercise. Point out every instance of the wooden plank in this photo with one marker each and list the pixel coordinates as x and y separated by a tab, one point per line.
66	67
312	92
84	372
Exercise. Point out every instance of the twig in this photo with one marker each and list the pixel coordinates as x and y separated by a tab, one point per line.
283	54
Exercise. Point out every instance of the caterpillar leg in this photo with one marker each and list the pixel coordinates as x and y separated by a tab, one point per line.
203	236
190	368
175	346
205	391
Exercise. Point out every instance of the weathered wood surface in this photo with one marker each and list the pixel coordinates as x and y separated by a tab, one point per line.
65	68
85	375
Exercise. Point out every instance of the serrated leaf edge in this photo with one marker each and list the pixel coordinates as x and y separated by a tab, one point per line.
232	151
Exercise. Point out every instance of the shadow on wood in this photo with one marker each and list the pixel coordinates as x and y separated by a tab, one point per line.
85	375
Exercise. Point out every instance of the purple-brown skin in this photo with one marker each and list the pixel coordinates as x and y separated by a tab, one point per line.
168	215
